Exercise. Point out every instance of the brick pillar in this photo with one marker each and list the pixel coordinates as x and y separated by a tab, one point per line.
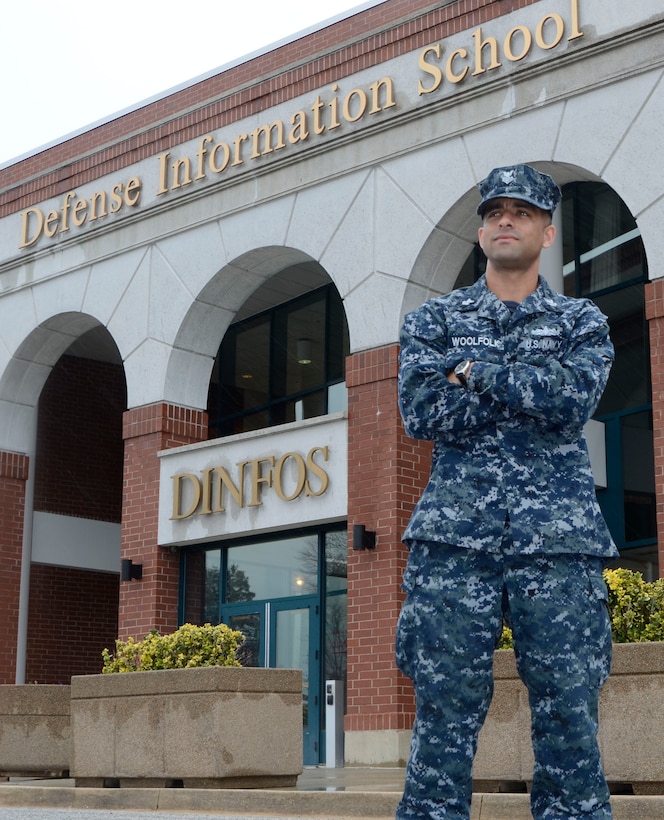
151	603
654	296
386	474
13	478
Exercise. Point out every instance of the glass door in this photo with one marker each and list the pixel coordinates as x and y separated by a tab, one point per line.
285	635
294	644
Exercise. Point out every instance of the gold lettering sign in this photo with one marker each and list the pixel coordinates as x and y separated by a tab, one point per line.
213	158
487	53
78	211
290	476
326	113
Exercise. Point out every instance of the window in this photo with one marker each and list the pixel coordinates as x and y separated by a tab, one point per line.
604	259
602	247
291	565
284	364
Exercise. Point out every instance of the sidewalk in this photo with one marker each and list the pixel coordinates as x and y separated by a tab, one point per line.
321	793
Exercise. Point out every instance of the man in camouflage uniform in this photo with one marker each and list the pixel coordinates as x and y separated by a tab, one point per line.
502	376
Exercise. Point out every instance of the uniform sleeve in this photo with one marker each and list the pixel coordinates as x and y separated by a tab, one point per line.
563	391
429	403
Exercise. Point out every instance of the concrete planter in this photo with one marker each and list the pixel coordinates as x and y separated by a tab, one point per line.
34	730
630	737
213	727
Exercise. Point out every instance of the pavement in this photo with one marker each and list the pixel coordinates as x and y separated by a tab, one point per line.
320	794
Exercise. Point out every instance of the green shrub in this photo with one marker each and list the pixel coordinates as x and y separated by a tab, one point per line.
506	641
190	646
636	608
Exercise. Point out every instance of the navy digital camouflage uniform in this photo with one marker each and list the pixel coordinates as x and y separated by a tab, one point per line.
508	527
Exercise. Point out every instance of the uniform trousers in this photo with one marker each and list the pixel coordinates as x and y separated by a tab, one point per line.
450	622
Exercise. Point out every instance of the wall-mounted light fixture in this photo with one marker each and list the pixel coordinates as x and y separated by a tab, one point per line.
304	351
363	539
129	571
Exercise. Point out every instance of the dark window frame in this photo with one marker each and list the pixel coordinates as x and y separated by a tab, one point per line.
277	404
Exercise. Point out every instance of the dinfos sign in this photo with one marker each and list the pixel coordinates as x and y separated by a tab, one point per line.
291	475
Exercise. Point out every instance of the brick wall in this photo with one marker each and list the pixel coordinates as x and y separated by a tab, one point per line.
386	474
79	440
73	616
73	613
151	603
13	476
319	59
654	296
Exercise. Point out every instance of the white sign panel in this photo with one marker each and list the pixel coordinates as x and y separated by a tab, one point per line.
272	479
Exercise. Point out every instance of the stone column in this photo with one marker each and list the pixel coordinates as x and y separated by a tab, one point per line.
551	263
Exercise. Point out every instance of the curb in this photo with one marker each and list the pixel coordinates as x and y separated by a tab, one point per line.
287	803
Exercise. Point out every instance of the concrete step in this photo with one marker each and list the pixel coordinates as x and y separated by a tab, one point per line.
378	805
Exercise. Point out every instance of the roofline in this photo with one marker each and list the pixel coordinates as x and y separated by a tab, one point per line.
291	38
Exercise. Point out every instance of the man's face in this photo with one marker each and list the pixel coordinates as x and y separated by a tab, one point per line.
514	232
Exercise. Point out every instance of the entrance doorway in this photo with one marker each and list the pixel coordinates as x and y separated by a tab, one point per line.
285	635
287	595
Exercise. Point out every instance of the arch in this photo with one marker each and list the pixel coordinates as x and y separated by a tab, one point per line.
195	347
27	370
443	254
75	543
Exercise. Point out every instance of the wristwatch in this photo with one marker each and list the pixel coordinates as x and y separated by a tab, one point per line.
462	370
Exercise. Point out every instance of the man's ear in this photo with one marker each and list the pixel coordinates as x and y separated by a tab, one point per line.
549	236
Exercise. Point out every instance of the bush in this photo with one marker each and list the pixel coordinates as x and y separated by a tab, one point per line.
506	641
190	646
636	608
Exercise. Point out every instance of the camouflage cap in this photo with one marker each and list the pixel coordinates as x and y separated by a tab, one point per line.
520	182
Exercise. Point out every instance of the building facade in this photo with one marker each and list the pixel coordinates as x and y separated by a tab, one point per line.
200	303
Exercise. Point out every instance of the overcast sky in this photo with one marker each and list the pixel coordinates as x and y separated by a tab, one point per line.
68	64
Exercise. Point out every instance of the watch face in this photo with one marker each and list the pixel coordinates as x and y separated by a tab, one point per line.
460	371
